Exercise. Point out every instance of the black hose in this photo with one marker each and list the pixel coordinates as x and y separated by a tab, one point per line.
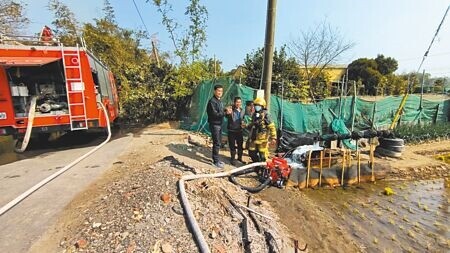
256	189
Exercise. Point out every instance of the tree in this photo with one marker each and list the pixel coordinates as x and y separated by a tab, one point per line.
188	76
366	71
412	80
396	85
317	48
191	41
108	10
149	92
119	49
285	71
439	85
252	69
198	15
386	65
377	76
214	66
321	85
419	79
12	17
64	22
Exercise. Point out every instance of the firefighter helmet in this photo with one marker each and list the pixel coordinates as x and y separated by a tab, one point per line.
260	101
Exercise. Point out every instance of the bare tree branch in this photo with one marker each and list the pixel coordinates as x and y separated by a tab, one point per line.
318	48
12	17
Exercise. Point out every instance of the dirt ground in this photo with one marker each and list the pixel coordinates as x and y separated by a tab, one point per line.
134	207
418	162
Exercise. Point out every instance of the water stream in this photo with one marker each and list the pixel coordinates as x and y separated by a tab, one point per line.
414	218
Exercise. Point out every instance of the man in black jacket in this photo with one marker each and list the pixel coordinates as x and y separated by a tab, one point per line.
216	113
235	124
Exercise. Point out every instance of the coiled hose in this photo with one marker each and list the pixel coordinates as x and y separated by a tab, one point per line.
256	189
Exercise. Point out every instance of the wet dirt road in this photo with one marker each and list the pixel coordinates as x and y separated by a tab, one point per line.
22	225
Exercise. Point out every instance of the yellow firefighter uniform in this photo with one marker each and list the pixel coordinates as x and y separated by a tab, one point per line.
262	129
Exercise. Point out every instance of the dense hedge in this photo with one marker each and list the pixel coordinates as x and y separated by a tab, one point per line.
424	132
141	106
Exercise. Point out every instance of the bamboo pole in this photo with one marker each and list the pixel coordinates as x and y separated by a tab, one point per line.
309	168
349	158
321	165
359	166
343	167
329	158
372	160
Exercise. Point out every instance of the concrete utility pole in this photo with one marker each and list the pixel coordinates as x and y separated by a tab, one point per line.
155	53
268	49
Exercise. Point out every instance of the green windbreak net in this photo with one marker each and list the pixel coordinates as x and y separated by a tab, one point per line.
317	118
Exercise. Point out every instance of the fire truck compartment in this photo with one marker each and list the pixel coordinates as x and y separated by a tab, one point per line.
45	81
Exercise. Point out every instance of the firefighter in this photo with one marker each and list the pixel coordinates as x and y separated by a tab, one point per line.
262	132
46	35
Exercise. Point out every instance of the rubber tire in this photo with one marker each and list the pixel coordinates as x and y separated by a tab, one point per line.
386	142
394	148
385	152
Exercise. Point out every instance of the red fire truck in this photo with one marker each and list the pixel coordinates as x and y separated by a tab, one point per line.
47	87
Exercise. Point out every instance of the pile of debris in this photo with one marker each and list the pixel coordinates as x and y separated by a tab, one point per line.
142	213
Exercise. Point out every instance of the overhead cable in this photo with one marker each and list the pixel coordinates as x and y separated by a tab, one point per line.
140	16
432	41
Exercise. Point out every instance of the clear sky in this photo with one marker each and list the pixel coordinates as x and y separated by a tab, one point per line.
401	29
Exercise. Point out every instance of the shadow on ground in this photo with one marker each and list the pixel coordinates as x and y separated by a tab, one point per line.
202	154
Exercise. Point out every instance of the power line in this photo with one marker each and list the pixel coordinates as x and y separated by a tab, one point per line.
140	16
441	73
432	41
431	55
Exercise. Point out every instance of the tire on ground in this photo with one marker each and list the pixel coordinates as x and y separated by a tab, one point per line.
391	142
394	148
385	152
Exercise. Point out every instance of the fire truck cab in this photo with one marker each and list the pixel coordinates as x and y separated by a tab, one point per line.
47	87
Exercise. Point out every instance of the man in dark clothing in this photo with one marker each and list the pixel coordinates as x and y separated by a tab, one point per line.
235	124
216	113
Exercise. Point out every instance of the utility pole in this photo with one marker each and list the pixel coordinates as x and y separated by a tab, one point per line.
268	49
155	53
215	70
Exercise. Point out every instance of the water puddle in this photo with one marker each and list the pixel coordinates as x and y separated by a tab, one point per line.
413	219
